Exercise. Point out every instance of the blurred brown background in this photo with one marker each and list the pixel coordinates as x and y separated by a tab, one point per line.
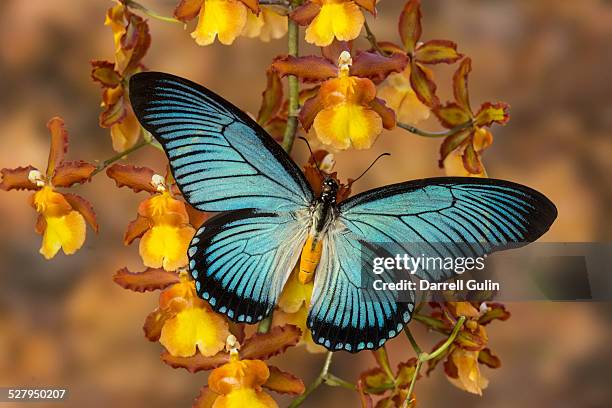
65	323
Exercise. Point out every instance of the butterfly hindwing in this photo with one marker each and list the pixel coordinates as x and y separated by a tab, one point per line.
221	159
449	217
345	313
242	259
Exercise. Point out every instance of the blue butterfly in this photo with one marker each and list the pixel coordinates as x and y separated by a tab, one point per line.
270	219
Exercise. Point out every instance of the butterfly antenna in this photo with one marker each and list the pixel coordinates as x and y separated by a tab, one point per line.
312	155
369	167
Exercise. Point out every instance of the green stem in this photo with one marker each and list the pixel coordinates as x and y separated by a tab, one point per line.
425	133
293	87
137	6
119	156
413	342
423	357
315	384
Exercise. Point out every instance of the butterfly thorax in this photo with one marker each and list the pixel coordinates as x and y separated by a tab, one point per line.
322	215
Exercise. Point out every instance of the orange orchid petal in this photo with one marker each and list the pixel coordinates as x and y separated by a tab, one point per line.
50	203
187	10
295	294
304	14
114	105
166	246
223	18
452	143
193	328
238	374
298	319
262	346
336	19
410	25
348	125
135	177
471	160
66	232
469	377
125	133
72	172
490	113
59	144
310	110
267	25
245	397
398	95
84	207
163	208
369	5
486	357
17	179
197	362
454	165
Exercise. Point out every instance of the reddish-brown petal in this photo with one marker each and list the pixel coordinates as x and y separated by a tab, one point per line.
148	280
486	357
72	172
41	224
136	229
471	160
251	4
369	5
309	111
154	322
391	48
490	113
238	330
410	25
196	217
272	98
452	115
59	144
187	10
437	52
104	73
262	346
423	85
17	179
276	128
134	177
197	362
452	143
137	39
310	68
495	311
460	84
115	108
284	382
84	207
304	14
387	114
376	67
405	372
206	399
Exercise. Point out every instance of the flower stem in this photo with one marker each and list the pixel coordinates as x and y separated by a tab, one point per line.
335	381
426	133
294	89
423	357
137	6
413	342
315	384
120	155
